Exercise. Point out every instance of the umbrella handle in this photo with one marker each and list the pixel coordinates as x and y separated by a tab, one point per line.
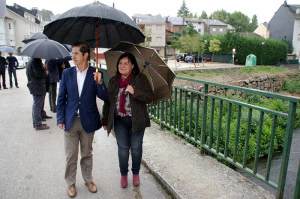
97	36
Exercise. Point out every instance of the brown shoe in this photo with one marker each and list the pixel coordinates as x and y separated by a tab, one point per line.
91	187
72	191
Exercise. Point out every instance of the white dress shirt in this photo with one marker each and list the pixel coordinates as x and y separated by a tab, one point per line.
80	79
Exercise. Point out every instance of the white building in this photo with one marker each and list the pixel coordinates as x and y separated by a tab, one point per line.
296	34
262	30
154	28
17	24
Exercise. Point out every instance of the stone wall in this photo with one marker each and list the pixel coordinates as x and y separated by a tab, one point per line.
272	83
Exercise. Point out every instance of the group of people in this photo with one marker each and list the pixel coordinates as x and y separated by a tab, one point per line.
124	111
11	63
43	78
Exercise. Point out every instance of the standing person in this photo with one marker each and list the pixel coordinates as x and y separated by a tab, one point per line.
3	64
36	76
52	67
126	112
78	115
12	66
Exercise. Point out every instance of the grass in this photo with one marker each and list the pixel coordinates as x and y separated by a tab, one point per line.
263	69
292	85
234	72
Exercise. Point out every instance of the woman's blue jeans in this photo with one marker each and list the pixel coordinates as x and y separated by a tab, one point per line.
128	140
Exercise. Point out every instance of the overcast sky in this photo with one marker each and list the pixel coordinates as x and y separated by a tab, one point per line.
264	9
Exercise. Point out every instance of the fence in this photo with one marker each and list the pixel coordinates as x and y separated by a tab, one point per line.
230	127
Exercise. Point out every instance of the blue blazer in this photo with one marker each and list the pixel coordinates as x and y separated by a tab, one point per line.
69	101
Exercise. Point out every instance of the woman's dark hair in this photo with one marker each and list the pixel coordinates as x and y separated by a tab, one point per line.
132	59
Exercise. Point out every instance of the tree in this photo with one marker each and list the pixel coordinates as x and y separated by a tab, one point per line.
214	46
221	15
239	21
189	30
253	24
203	15
46	15
183	11
191	44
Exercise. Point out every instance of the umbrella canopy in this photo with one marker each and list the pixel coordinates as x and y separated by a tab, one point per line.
159	75
7	49
96	24
35	36
45	49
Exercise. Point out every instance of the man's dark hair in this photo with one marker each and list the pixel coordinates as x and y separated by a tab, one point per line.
83	48
132	60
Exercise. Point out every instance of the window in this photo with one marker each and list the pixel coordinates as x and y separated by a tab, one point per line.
214	29
9	26
221	29
199	29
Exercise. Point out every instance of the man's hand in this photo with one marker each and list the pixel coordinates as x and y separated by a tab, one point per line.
61	126
98	77
130	89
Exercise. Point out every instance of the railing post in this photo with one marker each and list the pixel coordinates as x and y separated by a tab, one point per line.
286	151
204	117
297	185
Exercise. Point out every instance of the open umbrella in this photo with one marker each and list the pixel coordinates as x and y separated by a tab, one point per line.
35	36
45	49
96	24
7	49
159	75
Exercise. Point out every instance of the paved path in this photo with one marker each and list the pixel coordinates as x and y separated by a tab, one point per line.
32	162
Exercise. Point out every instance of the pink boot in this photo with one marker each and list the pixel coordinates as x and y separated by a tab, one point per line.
136	180
124	182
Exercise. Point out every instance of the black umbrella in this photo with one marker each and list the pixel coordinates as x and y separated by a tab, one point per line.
45	49
35	36
96	24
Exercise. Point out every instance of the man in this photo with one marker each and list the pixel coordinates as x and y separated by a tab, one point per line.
3	64
36	76
78	115
53	66
12	66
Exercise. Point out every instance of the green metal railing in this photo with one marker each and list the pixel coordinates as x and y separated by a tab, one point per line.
228	127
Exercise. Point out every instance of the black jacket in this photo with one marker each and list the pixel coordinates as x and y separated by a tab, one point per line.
36	76
3	63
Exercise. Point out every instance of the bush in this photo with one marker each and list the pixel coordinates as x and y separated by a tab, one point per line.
267	51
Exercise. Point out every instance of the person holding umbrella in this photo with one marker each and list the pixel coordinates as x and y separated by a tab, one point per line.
126	113
36	75
78	116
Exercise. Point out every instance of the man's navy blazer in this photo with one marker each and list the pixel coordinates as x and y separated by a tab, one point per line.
69	101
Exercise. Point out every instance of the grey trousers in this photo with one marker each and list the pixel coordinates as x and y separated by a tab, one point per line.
37	107
75	136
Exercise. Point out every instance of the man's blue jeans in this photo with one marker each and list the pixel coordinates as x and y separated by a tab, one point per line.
128	140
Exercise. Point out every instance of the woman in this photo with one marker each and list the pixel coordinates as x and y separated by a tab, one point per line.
126	112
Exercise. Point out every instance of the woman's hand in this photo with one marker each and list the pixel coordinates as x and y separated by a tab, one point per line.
130	89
